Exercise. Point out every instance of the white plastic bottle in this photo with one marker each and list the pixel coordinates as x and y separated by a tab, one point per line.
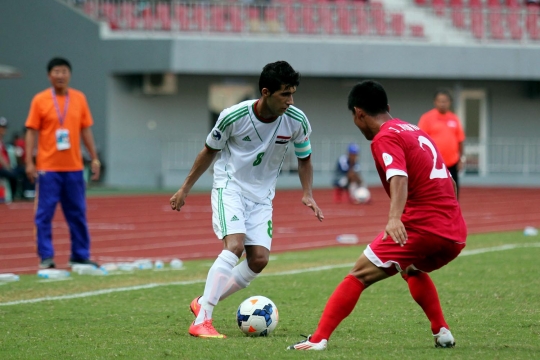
144	264
347	239
176	264
9	277
158	265
53	274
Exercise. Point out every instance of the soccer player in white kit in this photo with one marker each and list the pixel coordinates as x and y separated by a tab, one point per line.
250	140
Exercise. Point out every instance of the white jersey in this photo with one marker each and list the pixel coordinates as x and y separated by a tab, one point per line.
253	150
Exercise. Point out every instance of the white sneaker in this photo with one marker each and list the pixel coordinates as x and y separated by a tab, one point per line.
308	345
444	339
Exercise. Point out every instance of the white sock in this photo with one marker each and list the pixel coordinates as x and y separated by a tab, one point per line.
218	276
241	277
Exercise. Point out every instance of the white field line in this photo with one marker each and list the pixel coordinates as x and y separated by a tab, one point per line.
281	273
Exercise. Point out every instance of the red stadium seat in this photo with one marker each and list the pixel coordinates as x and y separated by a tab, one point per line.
398	24
513	19
475	4
90	8
420	2
217	18
309	19
362	22
344	23
181	16
109	12
326	18
477	23
417	30
199	18
163	16
128	19
378	17
236	22
439	7
147	18
495	20
532	22
292	18
458	17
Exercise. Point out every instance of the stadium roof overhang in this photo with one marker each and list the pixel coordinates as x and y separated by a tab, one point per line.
7	72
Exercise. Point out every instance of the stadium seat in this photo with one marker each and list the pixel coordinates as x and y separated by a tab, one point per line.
217	18
397	21
513	20
362	22
234	16
458	17
532	22
343	12
292	18
417	30
148	18
163	16
439	7
271	18
378	17
477	23
128	19
309	19
181	17
109	12
326	18
420	2
495	20
200	18
90	8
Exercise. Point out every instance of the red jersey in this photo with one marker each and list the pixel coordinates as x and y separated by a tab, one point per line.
403	149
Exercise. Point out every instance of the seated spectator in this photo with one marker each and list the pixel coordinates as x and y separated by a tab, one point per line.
8	170
347	175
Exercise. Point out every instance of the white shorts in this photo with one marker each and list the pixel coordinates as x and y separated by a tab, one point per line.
232	213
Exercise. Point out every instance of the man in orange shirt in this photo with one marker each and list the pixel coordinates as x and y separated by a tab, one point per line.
59	117
444	127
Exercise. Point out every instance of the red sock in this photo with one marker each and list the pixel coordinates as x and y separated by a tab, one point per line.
339	306
425	294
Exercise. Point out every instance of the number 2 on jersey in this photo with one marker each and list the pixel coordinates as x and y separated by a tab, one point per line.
435	173
259	159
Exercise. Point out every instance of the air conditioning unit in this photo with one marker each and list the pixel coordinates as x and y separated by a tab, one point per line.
160	84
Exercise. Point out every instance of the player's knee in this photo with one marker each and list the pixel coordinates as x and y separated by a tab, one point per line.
258	263
235	247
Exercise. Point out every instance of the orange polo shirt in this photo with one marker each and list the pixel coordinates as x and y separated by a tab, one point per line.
44	118
446	131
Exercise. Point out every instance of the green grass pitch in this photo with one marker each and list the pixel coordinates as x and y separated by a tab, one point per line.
491	301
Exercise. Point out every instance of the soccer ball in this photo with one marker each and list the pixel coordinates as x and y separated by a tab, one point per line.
257	316
361	195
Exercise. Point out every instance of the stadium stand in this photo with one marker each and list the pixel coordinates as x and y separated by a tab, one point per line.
480	20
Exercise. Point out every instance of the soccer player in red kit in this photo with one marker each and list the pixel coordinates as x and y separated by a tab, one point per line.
425	228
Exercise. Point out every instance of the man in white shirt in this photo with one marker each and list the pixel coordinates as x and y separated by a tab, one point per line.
250	140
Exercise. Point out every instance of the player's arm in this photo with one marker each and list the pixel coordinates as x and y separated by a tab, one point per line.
305	172
202	162
30	144
88	140
455	186
398	197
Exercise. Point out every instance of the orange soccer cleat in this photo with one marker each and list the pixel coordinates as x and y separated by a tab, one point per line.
195	307
205	330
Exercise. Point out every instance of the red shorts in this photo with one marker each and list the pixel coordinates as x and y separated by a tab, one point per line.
427	252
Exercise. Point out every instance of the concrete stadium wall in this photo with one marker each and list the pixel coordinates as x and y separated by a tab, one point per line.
105	65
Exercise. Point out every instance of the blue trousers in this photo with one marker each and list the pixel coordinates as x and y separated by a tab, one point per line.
68	188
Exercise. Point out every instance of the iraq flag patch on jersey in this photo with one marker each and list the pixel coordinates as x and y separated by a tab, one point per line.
282	139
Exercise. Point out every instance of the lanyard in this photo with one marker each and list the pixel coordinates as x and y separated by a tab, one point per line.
61	117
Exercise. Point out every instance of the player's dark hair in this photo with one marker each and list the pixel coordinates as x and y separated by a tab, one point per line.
57	61
369	96
443	92
276	74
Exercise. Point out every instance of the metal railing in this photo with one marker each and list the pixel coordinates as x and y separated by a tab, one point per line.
498	155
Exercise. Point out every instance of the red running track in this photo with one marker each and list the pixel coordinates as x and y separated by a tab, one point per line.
126	228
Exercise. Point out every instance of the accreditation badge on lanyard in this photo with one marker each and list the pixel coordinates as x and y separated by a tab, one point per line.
62	134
